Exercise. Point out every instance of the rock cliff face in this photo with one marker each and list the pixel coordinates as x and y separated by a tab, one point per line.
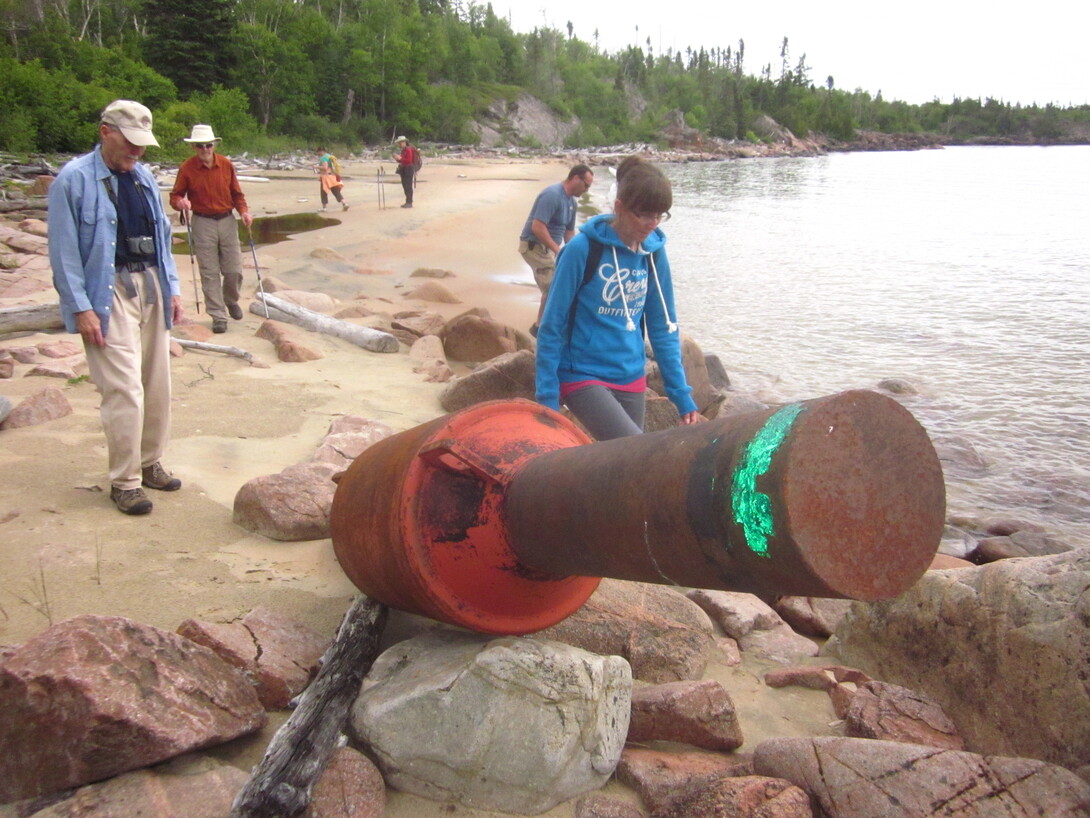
525	120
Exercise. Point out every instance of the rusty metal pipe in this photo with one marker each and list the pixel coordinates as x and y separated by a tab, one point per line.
498	518
840	496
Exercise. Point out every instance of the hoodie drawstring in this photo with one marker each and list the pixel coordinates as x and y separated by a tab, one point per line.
670	324
629	324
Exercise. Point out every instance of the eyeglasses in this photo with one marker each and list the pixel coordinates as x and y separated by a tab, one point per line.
204	144
651	217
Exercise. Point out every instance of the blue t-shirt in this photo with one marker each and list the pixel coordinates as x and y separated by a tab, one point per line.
132	216
556	209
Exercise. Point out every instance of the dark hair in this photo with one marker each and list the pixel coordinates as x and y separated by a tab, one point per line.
578	171
626	163
644	188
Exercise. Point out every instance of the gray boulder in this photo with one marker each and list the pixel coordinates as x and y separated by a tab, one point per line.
510	724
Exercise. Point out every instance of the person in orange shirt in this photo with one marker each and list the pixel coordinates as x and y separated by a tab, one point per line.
206	192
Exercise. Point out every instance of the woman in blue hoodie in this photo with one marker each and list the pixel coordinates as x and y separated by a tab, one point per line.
612	283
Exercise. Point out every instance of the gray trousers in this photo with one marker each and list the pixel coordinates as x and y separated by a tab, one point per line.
219	256
608	413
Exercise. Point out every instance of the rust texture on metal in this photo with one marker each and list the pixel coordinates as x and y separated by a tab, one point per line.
416	522
500	519
841	496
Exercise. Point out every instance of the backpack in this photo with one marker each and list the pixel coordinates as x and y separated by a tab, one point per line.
418	160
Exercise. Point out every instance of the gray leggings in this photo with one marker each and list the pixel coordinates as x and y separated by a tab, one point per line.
608	413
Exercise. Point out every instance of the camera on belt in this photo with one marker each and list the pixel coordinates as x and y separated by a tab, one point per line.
140	245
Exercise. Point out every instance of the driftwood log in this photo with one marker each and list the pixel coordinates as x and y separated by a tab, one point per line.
29	203
283	310
36	318
280	785
235	352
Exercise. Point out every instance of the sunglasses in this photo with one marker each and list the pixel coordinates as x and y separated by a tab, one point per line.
204	144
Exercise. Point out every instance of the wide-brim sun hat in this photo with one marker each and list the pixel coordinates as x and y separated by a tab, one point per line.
201	134
132	119
401	139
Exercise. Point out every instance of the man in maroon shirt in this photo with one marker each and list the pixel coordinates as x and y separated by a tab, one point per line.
206	191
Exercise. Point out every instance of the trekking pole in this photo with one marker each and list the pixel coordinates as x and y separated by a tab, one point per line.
378	187
192	252
257	269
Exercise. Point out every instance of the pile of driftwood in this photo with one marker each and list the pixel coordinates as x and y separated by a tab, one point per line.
17	178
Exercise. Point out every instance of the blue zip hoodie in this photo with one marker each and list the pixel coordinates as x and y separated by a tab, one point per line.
604	341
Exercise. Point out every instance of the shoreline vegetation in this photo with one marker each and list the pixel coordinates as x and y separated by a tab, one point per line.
279	75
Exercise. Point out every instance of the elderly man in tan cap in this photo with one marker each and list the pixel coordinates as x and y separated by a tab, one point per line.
207	191
109	247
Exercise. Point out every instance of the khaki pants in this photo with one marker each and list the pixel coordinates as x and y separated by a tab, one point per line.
541	261
132	372
219	256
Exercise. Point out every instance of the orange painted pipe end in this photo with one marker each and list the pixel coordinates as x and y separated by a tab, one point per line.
417	520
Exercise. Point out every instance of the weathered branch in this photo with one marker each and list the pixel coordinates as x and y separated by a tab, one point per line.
30	203
366	337
204	346
37	318
280	785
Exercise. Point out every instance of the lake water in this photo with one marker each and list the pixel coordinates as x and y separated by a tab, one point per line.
965	271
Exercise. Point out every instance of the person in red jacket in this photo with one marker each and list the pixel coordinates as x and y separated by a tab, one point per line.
407	164
207	191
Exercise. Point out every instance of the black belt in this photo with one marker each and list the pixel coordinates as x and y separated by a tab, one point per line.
125	271
216	216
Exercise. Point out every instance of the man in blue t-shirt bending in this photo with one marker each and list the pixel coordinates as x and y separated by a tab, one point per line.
551	223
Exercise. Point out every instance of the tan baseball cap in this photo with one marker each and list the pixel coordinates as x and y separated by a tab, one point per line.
132	119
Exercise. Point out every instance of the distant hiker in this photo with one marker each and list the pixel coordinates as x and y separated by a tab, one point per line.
109	247
551	223
612	285
329	175
408	164
205	193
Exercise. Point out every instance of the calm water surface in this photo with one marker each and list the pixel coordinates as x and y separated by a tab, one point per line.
965	271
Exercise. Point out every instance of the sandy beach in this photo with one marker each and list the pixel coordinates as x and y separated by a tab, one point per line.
67	551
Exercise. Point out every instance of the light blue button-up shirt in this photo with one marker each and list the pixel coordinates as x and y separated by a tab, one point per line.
83	238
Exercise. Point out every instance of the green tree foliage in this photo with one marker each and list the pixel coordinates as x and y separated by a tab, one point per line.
341	72
191	43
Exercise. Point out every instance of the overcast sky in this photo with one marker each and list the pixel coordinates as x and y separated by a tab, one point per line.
915	52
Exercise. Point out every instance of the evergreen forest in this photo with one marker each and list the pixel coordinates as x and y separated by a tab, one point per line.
278	73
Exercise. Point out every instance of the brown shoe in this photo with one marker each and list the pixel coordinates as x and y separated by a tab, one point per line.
219	325
235	311
130	501
156	477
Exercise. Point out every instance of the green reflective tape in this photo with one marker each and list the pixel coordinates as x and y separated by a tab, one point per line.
753	509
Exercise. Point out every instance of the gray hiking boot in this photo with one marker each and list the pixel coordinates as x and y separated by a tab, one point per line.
130	501
156	477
